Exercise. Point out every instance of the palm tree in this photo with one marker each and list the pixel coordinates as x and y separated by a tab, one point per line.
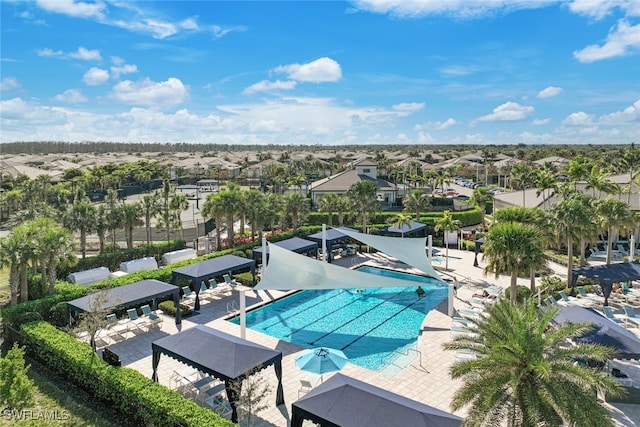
229	200
164	222
114	217
513	248
598	179
480	197
297	206
150	208
131	217
254	205
213	209
178	204
416	201
101	225
343	205
448	224
613	215
364	196
57	246
526	375
328	204
400	220
80	217
522	177
546	181
11	248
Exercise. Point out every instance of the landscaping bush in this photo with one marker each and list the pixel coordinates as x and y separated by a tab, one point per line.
245	279
139	398
169	308
522	293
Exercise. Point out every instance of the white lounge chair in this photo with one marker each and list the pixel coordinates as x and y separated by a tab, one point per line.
609	314
138	322
588	297
631	315
151	316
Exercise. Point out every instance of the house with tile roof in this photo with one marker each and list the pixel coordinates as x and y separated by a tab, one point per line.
363	170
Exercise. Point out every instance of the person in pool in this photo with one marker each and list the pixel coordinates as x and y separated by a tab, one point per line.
420	291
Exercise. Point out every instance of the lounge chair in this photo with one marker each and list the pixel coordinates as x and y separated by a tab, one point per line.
631	315
188	296
205	291
568	299
229	281
305	387
136	321
609	314
152	316
587	296
115	327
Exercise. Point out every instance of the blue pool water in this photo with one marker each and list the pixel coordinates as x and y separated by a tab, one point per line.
372	326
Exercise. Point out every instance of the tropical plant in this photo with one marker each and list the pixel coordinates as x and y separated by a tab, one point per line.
80	216
525	373
513	248
150	208
613	215
447	223
297	206
364	196
480	197
16	388
598	179
328	204
400	220
416	201
131	217
522	177
11	255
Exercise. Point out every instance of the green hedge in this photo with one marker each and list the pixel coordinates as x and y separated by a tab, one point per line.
139	398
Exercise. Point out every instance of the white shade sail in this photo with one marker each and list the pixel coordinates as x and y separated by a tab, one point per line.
288	270
410	250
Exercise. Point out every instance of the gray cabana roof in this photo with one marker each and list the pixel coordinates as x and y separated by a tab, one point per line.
411	228
345	401
126	296
332	236
210	268
609	274
605	331
294	244
220	355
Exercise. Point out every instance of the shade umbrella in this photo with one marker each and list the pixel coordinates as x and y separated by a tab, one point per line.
321	360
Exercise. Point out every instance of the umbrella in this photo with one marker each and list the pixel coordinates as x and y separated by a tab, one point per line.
321	360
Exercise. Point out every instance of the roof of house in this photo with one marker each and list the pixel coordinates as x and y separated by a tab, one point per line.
342	181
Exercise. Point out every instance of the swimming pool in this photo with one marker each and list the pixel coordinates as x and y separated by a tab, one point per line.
371	326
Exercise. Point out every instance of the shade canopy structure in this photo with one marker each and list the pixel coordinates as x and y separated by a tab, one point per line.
411	251
608	274
287	270
294	244
210	268
125	297
405	229
332	236
345	401
223	356
605	331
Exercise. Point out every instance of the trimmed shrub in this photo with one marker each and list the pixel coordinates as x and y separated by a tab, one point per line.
139	398
522	293
169	308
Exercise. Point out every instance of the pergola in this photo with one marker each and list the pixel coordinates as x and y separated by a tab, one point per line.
607	275
332	236
407	229
125	297
345	401
210	268
294	244
223	356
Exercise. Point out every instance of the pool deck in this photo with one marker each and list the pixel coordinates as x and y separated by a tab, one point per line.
422	375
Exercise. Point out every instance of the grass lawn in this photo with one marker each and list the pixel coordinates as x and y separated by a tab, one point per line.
59	403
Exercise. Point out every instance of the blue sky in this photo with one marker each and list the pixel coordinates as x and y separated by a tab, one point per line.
329	73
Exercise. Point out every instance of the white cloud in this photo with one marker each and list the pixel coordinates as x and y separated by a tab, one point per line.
267	86
457	8
598	9
157	29
458	70
9	83
629	115
72	8
408	107
46	52
318	71
509	112
71	96
117	71
95	76
150	93
549	92
621	40
86	54
17	112
578	119
541	122
189	24
446	124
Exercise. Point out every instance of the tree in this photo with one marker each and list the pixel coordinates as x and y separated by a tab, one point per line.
164	222
447	223
400	220
131	217
599	180
213	209
416	201
254	202
364	196
252	393
522	177
95	320
81	217
613	215
328	203
16	388
513	248
56	245
150	208
297	206
114	213
179	203
229	200
11	248
546	181
526	375
480	197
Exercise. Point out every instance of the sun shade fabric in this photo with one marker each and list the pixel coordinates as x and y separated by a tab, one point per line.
287	270
220	355
345	401
411	251
294	244
605	331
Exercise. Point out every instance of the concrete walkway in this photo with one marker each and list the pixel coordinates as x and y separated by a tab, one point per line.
422	375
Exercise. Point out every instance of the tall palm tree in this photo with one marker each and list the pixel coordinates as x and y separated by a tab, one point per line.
416	201
297	207
150	204
328	204
229	200
546	181
343	205
213	209
363	195
522	177
400	220
165	218
448	224
114	217
11	250
80	216
598	180
513	248
480	197
612	216
57	246
526	375
131	217
254	206
179	203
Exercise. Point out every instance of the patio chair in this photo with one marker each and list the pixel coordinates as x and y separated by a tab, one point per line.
188	296
136	321
609	314
631	315
568	299
587	296
151	316
117	328
305	387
